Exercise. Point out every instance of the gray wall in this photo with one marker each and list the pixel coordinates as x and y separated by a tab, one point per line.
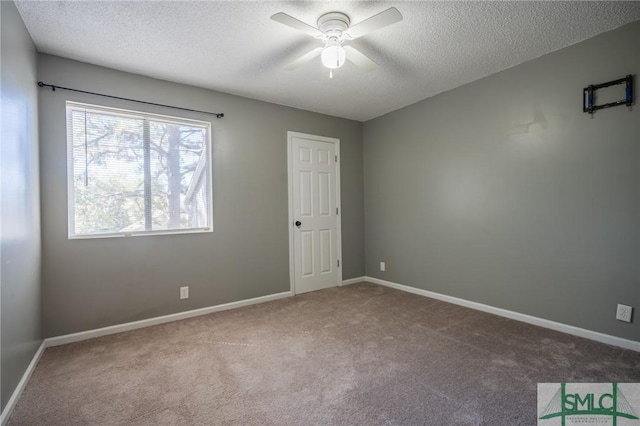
504	192
20	208
99	282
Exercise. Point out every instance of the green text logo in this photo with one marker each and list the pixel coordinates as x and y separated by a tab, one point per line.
586	402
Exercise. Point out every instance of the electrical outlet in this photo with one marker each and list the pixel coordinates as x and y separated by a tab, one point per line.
383	267
624	313
184	292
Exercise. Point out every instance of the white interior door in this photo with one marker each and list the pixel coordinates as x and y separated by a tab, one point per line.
314	212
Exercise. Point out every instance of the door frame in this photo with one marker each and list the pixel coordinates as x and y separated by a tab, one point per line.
336	142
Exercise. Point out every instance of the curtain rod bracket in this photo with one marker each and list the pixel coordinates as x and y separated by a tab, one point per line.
53	89
41	84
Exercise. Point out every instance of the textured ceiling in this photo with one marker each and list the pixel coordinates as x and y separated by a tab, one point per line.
235	47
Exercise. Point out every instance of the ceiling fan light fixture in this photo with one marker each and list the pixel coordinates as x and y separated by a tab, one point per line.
333	56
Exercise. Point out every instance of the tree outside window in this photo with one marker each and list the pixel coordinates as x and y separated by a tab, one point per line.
132	173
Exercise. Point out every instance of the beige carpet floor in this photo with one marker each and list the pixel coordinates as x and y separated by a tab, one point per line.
360	354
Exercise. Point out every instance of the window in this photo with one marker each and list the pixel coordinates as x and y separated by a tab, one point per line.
132	173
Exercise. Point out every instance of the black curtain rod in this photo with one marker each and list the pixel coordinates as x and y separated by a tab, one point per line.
53	88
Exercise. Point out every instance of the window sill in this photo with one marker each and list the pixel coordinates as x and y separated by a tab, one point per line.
142	233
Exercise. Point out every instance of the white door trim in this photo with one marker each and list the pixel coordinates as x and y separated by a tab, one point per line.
336	142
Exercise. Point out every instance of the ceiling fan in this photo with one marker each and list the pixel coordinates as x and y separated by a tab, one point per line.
334	29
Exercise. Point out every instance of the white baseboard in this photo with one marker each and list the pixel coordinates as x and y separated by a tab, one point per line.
11	404
354	280
119	328
541	322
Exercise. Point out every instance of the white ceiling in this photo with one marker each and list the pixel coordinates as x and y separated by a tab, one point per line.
235	47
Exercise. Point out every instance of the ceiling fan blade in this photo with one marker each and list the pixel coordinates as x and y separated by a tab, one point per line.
359	58
303	59
296	24
381	20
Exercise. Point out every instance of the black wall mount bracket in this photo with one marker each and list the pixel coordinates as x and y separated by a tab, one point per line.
588	94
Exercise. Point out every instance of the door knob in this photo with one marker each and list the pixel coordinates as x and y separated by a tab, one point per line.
298	223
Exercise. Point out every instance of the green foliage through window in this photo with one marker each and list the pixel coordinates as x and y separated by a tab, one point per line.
133	173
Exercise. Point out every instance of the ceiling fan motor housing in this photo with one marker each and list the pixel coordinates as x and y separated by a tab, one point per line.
333	24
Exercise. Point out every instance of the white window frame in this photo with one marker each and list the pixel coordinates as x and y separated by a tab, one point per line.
70	105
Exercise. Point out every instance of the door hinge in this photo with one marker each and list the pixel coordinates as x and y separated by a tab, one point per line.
337	211
338	263
336	158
